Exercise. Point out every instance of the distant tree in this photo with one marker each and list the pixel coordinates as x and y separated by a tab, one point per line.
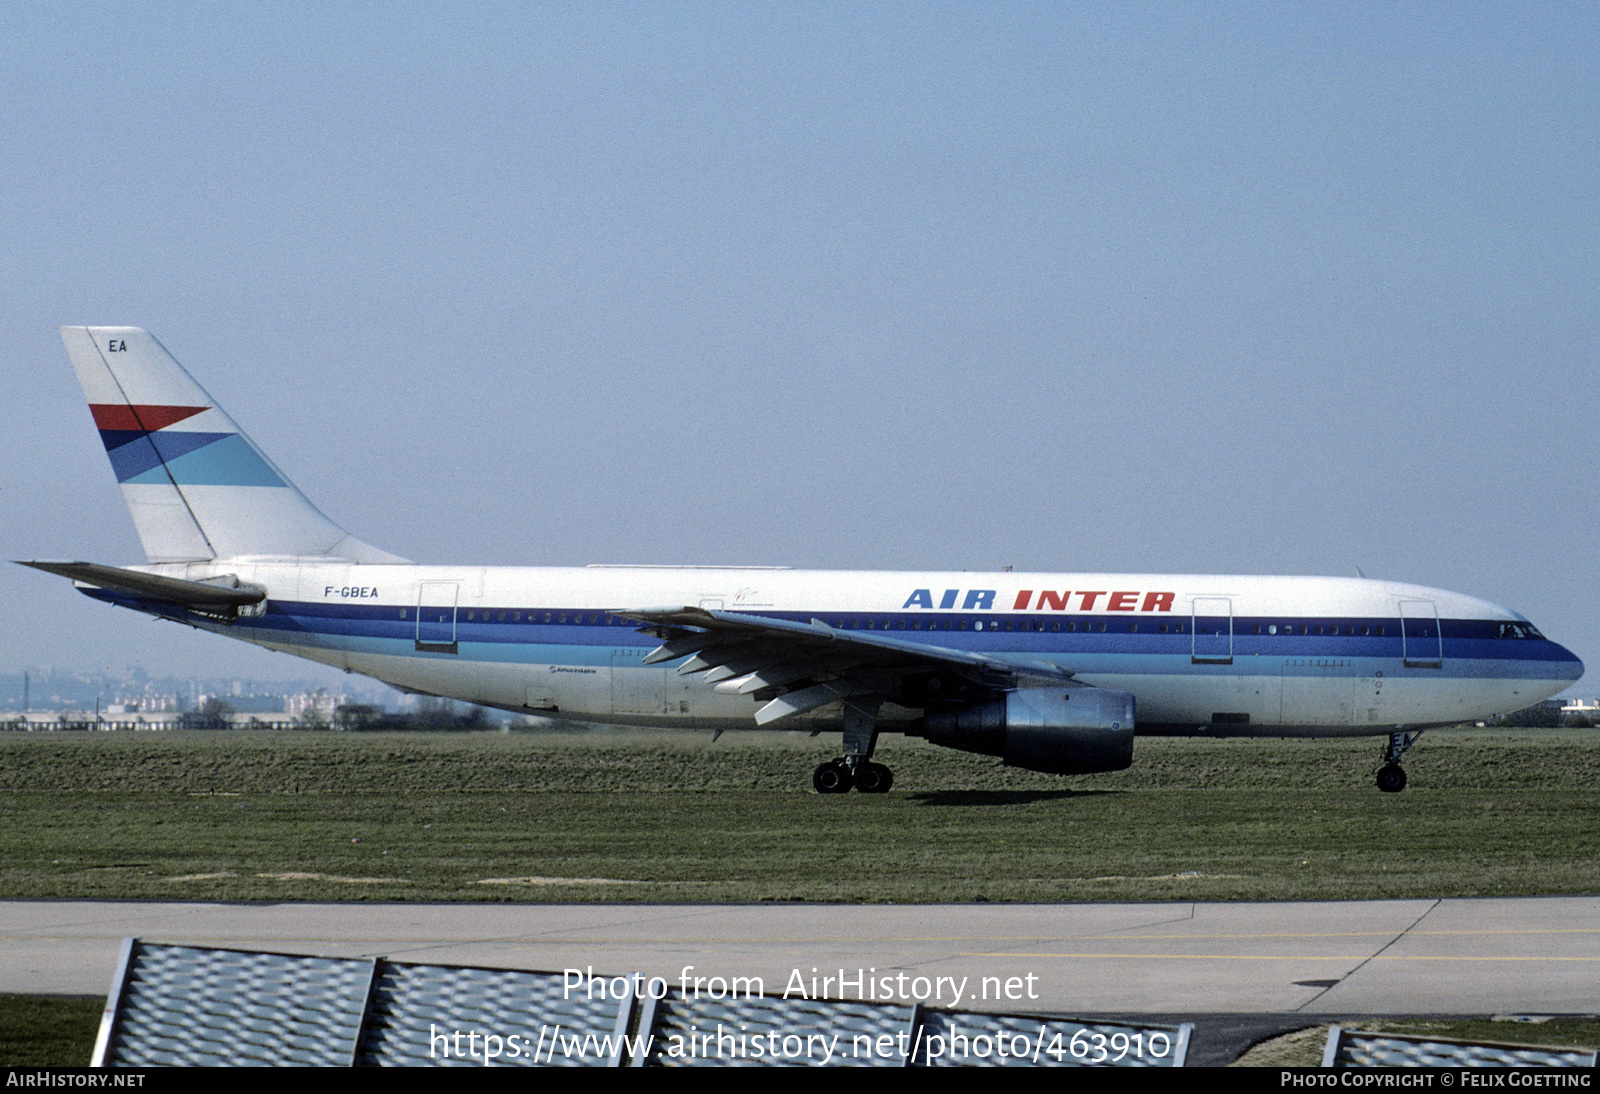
356	716
434	713
215	707
313	718
1538	716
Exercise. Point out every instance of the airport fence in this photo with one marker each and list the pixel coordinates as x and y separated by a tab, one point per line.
1355	1048
185	1005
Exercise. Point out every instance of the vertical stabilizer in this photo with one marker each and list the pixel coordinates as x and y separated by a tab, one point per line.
198	488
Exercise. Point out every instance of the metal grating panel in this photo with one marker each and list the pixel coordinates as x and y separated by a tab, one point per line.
445	1016
187	1006
1355	1048
181	1005
967	1039
766	1032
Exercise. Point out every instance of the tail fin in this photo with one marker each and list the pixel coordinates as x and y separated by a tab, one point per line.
197	487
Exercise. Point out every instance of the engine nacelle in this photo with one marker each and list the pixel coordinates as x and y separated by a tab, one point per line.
1065	731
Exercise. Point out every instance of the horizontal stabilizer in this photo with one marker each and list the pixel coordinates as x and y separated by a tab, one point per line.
197	594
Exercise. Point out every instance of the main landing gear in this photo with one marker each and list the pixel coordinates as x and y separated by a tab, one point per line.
836	777
1391	776
854	768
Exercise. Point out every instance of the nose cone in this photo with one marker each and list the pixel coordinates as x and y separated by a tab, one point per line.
1568	667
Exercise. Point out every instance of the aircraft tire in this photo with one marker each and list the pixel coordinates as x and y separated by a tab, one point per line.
874	779
1391	778
832	777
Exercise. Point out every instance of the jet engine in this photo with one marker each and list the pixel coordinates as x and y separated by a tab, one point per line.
1064	731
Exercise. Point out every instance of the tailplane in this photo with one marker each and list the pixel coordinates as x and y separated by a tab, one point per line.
198	488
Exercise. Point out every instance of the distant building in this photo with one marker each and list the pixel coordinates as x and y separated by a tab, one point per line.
313	702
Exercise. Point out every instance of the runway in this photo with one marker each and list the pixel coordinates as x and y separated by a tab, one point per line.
1515	955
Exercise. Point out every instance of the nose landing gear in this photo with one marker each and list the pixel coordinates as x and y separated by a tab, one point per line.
1391	776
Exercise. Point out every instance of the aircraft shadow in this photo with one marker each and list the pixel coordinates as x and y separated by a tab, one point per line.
969	798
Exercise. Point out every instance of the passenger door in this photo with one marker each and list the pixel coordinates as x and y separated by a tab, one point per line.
1212	634
436	616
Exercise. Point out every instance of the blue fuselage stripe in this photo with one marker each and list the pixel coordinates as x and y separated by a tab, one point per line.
1471	648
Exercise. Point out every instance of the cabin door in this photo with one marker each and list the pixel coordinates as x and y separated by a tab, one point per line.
1212	634
1422	645
436	616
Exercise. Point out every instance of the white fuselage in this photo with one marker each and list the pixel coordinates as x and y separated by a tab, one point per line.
1225	655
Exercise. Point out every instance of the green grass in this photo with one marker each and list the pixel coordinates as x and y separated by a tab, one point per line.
669	817
48	1031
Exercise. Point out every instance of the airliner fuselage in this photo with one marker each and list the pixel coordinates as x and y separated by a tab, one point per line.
1053	672
1223	656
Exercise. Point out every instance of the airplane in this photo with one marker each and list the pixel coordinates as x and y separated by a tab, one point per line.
1050	672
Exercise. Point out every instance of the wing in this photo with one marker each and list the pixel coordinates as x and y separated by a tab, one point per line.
797	667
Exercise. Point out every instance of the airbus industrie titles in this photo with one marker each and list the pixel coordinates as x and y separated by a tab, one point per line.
1054	672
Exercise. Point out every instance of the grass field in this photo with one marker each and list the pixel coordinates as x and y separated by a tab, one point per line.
670	817
48	1031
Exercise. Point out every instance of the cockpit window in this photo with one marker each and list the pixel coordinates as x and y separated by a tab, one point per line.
1519	630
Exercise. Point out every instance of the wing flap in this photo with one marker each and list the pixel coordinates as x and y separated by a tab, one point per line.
798	702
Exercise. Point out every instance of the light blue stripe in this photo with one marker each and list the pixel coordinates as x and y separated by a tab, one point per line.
228	462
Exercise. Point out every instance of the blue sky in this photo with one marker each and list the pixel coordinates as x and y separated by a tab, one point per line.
1194	288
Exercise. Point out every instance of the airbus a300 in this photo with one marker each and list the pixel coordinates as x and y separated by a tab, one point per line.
1054	672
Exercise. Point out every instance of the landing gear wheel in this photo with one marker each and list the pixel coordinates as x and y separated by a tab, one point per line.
832	777
1392	779
874	779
